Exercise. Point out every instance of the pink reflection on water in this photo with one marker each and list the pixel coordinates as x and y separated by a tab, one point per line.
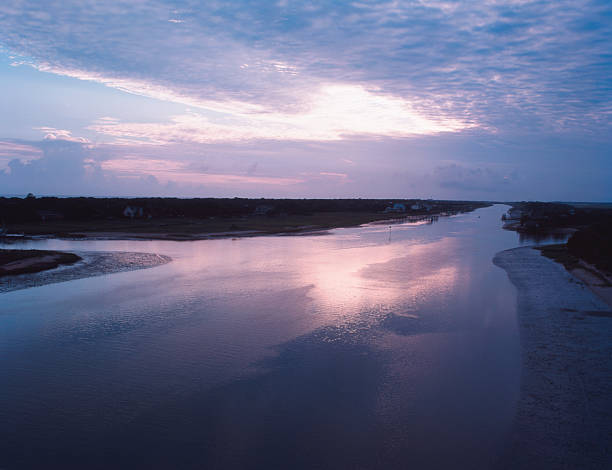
320	281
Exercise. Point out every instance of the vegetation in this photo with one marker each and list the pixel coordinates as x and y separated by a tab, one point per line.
560	254
185	218
546	216
594	244
592	225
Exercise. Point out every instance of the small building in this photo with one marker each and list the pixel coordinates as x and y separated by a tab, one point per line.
133	212
46	215
263	209
397	207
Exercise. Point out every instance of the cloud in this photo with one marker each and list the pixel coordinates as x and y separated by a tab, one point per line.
62	165
68	167
278	97
331	174
473	179
252	168
60	134
167	171
498	64
409	168
334	112
10	150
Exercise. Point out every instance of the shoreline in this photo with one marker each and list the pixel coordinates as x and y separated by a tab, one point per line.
21	281
598	281
91	264
202	218
564	414
16	262
193	230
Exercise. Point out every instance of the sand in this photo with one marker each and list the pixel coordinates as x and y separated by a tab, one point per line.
30	262
14	262
93	263
600	284
564	417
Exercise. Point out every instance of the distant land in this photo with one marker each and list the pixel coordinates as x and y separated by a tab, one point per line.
587	255
192	219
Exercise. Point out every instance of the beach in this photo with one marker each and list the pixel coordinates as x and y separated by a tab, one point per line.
564	417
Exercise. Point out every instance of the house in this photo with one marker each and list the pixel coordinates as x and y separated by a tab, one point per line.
513	214
417	206
397	207
46	215
133	212
263	209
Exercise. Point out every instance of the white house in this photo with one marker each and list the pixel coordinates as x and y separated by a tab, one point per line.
263	209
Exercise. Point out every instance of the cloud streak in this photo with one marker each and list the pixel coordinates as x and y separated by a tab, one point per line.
335	112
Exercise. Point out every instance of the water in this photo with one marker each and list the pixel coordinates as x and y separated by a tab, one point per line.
370	347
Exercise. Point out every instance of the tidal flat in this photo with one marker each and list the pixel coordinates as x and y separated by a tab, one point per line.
564	416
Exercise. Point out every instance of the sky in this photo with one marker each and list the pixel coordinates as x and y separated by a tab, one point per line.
481	100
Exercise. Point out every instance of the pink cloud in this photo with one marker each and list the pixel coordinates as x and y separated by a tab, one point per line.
173	171
335	175
14	150
17	150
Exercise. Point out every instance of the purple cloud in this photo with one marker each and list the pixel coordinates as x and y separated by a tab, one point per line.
495	63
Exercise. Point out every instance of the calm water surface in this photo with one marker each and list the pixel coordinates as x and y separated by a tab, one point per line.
368	347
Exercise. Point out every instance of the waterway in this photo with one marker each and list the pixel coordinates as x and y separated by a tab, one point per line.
370	347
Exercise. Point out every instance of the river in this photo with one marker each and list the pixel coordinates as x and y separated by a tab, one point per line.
370	347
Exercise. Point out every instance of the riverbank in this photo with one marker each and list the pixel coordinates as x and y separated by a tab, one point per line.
564	417
14	262
202	218
599	281
179	229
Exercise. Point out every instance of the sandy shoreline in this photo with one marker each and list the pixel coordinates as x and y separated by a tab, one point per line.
564	417
15	262
598	282
91	264
40	263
